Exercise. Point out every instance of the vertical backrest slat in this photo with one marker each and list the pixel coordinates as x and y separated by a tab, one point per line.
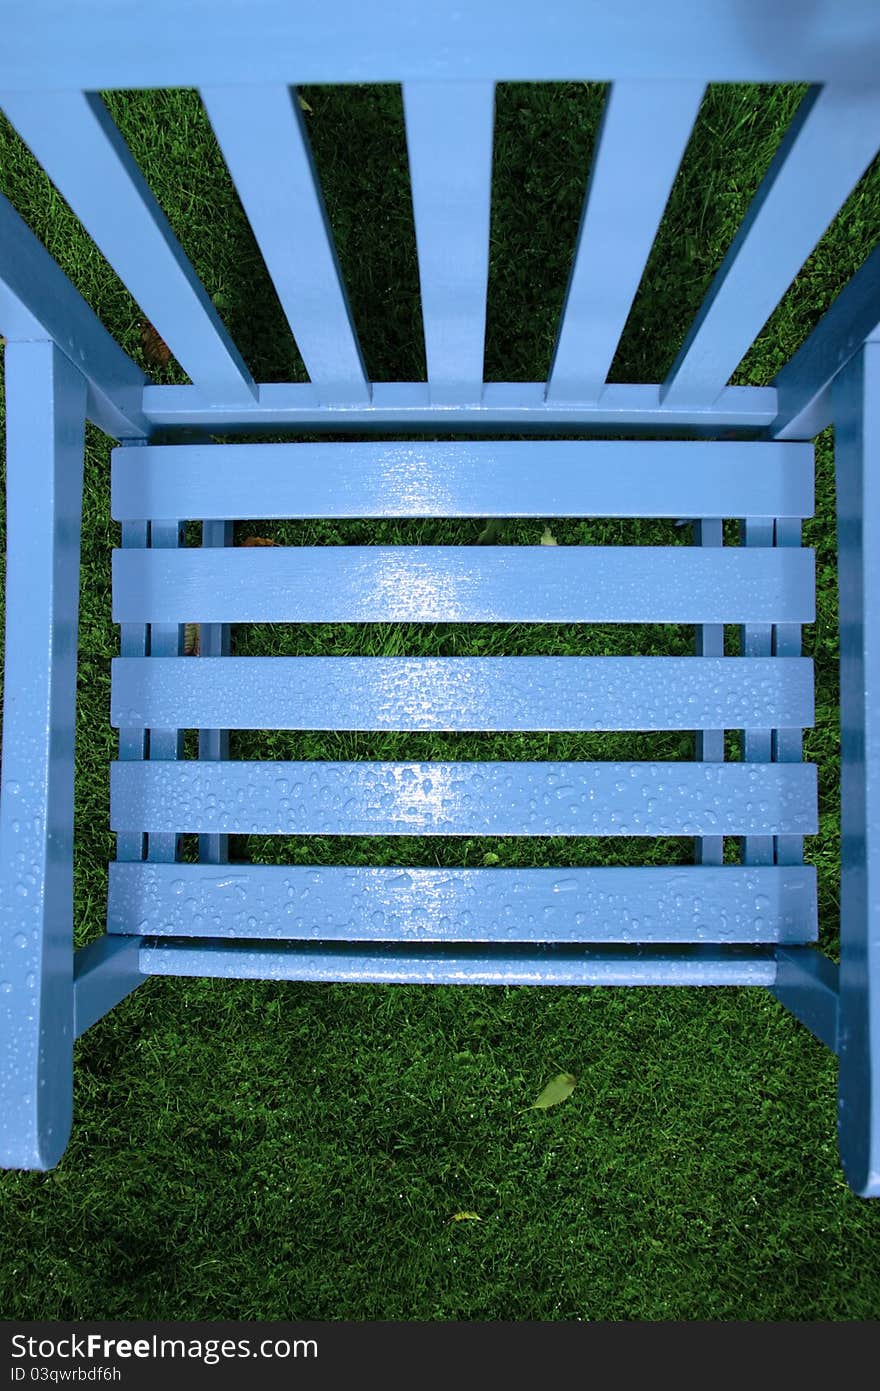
77	143
645	128
832	139
449	129
264	142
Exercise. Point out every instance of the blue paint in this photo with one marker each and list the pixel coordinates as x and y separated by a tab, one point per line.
463	584
310	903
831	141
74	138
807	983
804	384
748	924
787	742
104	973
120	43
262	135
470	693
756	642
166	640
449	143
709	643
498	478
465	799
644	131
44	433
403	406
215	640
460	965
133	645
857	458
37	301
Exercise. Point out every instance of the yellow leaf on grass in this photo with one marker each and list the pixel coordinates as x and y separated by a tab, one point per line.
465	1217
304	106
559	1088
547	537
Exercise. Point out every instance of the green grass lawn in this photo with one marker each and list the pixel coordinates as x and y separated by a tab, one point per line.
287	1151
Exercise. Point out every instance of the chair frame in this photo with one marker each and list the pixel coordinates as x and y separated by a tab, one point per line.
63	368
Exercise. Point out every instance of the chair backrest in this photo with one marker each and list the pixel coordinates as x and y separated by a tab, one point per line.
247	58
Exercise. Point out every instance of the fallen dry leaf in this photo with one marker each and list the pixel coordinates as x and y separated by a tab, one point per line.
156	350
258	541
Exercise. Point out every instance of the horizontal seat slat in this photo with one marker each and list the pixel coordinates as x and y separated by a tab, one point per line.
464	584
504	478
467	693
458	799
381	904
464	965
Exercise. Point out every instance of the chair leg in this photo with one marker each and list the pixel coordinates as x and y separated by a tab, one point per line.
46	403
857	453
807	985
104	973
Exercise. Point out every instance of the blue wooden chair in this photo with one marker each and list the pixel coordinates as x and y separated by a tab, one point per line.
713	452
